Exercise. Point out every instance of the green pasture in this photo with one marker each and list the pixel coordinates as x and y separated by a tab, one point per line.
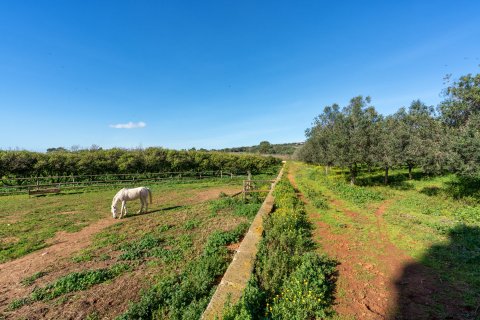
179	248
27	223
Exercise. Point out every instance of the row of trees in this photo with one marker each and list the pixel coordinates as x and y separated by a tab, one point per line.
437	140
98	161
266	147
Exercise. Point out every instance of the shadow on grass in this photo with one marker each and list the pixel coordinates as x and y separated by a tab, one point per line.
445	284
156	210
398	180
464	188
431	191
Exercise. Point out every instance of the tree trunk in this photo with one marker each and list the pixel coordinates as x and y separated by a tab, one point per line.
353	173
410	172
385	180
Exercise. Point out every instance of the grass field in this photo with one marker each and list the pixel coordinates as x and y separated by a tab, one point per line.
180	244
26	223
434	219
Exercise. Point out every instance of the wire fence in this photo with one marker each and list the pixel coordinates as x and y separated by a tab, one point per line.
38	185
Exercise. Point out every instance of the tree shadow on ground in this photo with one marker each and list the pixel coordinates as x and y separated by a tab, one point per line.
445	283
464	188
397	180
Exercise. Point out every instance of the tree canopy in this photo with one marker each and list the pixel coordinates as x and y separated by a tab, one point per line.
445	139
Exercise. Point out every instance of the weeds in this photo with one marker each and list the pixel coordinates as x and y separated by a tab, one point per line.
289	280
30	280
240	208
72	282
185	296
191	224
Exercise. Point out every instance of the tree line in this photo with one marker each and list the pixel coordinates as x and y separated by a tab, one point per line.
266	147
110	161
437	140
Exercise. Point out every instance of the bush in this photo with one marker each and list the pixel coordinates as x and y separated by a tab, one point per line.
308	292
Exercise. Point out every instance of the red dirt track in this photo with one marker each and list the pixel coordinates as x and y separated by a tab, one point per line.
376	279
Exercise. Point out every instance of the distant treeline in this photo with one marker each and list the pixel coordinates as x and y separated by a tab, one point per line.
98	161
437	140
266	147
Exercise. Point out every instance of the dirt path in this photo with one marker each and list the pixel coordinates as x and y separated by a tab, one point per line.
65	245
376	279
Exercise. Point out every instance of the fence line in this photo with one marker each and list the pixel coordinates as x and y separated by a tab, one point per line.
16	185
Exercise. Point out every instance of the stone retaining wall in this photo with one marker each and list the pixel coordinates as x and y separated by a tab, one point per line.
239	271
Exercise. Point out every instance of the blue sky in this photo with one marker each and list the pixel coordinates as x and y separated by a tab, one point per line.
214	74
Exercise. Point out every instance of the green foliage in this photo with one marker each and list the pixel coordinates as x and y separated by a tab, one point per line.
31	279
354	194
191	224
72	282
243	209
18	303
218	239
316	197
468	214
357	136
462	100
78	281
93	316
266	147
251	305
357	195
141	248
88	162
308	291
435	220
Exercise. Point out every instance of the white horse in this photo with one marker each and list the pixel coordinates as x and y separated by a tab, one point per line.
125	195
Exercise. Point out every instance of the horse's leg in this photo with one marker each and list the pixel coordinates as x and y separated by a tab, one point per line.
124	207
146	203
141	206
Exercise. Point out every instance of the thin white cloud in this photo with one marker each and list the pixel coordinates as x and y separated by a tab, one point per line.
130	125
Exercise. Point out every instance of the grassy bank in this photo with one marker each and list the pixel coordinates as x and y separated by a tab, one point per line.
290	281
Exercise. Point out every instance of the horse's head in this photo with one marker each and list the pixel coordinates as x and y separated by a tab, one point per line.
114	210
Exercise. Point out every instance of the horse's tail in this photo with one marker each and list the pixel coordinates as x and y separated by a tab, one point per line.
150	195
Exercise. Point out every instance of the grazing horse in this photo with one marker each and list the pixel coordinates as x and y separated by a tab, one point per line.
125	195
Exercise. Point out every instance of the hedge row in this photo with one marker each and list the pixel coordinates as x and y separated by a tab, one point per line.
89	162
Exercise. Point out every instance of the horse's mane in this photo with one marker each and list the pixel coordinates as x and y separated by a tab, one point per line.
118	194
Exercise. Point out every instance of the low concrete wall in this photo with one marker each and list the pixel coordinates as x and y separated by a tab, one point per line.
239	271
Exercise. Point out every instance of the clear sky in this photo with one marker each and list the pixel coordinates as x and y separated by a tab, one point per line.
214	74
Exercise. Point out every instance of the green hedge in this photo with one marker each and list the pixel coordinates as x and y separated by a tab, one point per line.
89	162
